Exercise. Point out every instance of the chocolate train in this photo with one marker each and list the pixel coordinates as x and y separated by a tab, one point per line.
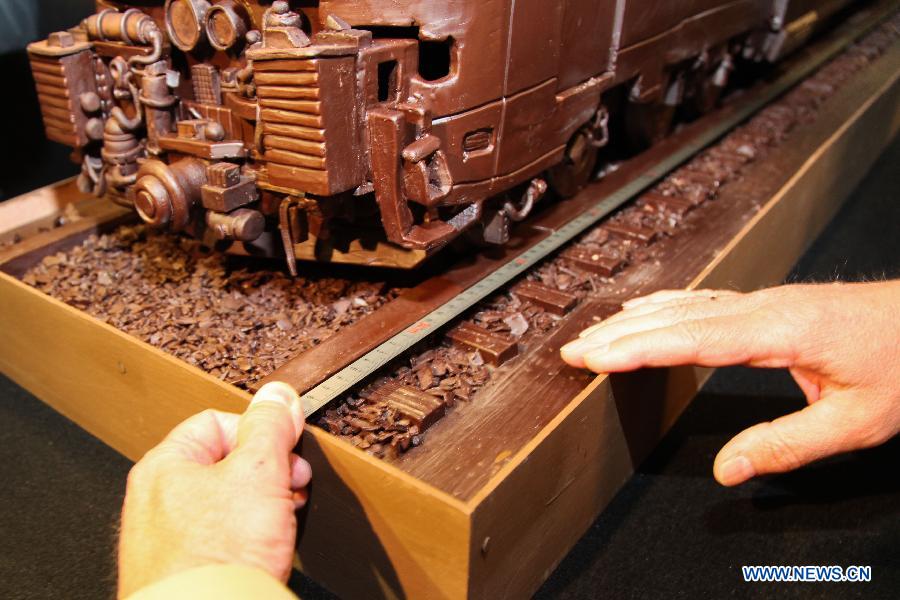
377	131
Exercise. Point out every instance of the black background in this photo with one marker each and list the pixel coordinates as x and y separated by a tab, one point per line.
671	532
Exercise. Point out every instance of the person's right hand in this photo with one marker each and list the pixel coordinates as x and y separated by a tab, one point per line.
220	489
841	343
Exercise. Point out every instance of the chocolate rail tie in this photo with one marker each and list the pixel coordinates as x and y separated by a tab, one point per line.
594	262
635	233
494	348
669	204
419	407
551	300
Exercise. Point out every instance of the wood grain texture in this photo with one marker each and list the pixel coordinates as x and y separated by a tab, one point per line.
28	210
372	531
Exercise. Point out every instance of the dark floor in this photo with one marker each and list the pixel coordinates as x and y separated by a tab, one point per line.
671	532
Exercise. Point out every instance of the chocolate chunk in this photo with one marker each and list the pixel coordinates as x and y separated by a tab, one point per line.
494	348
418	407
593	261
559	303
635	233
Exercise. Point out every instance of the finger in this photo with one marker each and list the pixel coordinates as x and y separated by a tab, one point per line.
670	295
206	438
273	422
301	472
649	318
656	319
713	342
787	443
300	497
694	307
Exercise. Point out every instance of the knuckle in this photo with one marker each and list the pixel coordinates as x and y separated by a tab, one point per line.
693	333
140	474
780	452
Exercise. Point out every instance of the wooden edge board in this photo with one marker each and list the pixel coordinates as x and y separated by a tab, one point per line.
121	402
43	202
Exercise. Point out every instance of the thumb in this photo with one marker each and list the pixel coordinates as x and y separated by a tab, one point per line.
787	443
273	422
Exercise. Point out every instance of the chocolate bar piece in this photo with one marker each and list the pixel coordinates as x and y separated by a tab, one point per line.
594	262
494	348
421	408
551	300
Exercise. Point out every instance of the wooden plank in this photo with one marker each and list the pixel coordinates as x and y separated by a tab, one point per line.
372	531
18	258
48	201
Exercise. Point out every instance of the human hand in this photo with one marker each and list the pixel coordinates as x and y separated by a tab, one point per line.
220	489
841	343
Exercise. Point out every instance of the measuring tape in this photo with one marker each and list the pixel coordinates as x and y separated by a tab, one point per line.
353	374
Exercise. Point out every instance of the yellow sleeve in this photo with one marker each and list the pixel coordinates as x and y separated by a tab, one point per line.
216	582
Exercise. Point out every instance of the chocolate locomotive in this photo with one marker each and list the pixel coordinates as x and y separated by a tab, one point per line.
376	132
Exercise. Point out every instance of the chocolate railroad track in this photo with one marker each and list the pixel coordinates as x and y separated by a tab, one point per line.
339	364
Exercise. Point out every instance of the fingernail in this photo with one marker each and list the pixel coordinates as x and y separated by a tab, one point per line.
596	358
635	302
575	346
275	392
736	470
590	330
284	394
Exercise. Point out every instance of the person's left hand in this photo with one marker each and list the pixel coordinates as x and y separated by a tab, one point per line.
220	489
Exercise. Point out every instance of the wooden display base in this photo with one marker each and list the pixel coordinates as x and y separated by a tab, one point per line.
374	528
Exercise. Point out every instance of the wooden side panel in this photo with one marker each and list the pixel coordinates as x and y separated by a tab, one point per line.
372	531
36	208
527	523
119	389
